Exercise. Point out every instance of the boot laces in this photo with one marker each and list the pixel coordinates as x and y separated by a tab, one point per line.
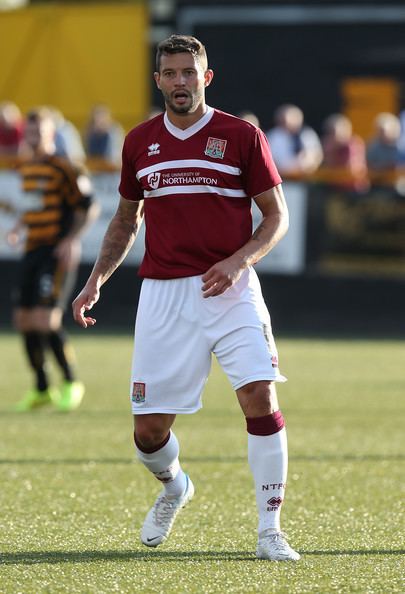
163	512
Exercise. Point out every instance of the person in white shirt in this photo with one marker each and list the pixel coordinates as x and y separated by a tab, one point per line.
296	148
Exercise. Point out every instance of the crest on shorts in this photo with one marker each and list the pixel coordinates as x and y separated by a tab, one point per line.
215	148
138	392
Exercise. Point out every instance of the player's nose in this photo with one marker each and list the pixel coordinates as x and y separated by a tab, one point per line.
180	80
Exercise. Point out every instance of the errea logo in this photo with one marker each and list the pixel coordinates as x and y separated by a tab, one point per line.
153	149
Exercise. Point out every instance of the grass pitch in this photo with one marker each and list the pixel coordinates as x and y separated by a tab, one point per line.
73	499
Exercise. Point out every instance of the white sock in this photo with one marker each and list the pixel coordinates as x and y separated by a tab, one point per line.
165	465
268	460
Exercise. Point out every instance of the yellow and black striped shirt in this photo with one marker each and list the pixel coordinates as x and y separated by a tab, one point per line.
52	193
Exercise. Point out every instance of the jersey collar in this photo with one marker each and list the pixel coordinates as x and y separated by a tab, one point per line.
188	132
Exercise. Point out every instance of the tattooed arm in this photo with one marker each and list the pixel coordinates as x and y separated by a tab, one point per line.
272	228
118	239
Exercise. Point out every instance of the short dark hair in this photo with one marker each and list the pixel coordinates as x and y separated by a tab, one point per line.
38	115
176	44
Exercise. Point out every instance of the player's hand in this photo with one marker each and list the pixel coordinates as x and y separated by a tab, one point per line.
13	238
221	276
83	303
68	252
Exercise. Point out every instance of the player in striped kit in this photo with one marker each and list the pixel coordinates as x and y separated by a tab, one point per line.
191	173
56	207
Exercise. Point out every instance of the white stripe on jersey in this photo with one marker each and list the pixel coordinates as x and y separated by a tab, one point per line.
194	190
180	164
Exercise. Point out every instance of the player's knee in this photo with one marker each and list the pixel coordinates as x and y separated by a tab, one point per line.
22	321
258	398
149	432
46	319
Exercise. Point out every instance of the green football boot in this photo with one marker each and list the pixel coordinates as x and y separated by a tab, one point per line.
37	398
71	396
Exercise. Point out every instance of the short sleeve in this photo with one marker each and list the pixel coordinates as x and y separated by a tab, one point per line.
129	186
79	187
260	173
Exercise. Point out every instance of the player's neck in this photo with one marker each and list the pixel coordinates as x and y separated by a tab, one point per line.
184	121
44	150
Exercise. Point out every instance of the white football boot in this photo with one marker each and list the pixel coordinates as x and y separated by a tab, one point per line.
274	547
160	518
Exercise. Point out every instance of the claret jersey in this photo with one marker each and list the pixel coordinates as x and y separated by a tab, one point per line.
197	185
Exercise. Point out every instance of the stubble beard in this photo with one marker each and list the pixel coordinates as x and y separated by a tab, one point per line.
190	106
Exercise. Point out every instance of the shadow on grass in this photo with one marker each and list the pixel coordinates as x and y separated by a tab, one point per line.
360	552
210	459
56	557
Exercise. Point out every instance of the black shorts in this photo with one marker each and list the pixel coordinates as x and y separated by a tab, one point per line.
43	282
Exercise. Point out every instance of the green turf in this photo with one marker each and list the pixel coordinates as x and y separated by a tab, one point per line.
72	498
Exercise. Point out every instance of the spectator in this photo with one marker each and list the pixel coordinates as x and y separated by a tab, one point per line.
296	148
68	141
103	137
383	151
344	150
402	136
11	128
249	116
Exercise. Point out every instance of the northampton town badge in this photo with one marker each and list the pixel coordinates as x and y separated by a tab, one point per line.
138	392
215	148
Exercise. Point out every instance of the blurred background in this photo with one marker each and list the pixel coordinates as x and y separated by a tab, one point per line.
324	80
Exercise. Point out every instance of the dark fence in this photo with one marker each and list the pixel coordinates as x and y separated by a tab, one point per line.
307	304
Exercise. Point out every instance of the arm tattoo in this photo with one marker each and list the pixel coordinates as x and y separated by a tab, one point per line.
118	239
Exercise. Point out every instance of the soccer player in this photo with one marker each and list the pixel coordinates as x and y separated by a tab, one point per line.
57	206
191	173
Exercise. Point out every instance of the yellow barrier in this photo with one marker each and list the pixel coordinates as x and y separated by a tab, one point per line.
73	56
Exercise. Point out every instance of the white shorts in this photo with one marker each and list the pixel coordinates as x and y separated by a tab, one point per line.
176	331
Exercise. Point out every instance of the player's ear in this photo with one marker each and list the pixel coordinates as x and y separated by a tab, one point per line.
156	76
208	76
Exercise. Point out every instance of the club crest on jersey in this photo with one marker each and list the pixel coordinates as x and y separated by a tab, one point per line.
138	392
153	149
153	180
215	148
